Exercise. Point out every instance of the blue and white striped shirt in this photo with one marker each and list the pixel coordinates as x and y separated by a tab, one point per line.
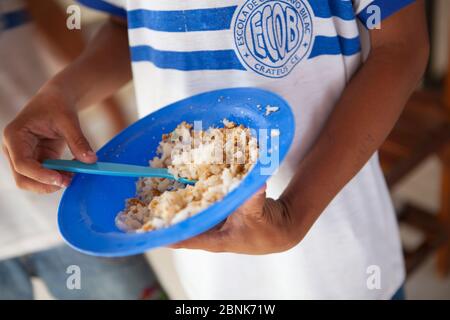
306	51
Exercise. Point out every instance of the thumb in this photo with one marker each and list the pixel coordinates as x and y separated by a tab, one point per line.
212	240
77	142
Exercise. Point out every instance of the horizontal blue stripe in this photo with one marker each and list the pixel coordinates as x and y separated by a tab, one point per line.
333	8
182	21
14	19
335	46
187	61
105	6
387	7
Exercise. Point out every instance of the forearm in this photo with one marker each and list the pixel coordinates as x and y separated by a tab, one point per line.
360	122
49	17
99	71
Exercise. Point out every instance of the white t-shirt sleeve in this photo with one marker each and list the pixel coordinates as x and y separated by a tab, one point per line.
113	7
364	9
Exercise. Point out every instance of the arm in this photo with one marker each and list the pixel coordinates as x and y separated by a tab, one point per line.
50	119
365	114
49	16
362	119
100	70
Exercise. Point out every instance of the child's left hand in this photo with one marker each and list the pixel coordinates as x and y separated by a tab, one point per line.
261	226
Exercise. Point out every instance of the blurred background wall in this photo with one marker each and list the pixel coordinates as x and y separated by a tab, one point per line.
423	190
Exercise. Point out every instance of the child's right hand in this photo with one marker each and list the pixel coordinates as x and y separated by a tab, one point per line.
40	131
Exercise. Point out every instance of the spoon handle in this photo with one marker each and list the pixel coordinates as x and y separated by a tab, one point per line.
110	169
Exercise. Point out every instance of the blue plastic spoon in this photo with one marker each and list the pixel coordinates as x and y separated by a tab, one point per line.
112	169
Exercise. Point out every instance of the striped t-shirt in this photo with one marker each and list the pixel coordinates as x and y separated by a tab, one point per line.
306	51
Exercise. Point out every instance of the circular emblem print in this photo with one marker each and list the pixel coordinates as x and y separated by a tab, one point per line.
273	36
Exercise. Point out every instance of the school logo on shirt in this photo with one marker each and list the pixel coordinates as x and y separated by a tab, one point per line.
273	36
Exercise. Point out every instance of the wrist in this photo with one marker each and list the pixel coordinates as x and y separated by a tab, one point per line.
62	97
291	227
281	217
300	214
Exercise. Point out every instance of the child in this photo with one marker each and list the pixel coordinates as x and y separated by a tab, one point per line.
331	232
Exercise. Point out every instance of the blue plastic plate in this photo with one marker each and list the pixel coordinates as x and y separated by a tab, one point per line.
90	204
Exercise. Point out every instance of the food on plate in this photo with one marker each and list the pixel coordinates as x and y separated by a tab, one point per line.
217	158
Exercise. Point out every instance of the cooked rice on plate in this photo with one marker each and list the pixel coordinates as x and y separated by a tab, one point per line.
217	158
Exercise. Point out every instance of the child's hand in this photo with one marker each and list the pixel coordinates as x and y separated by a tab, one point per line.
260	226
39	132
